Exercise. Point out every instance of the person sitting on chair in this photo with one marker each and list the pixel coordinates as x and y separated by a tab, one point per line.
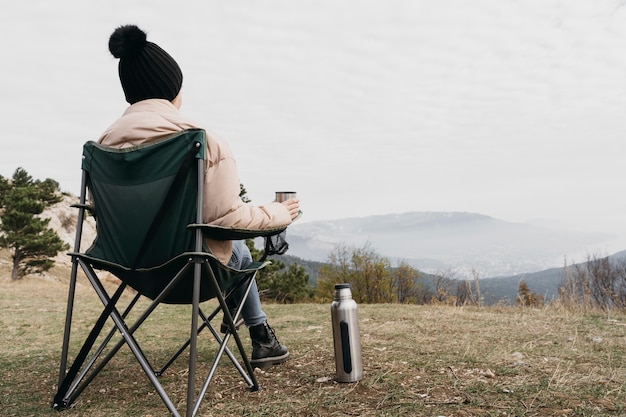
151	80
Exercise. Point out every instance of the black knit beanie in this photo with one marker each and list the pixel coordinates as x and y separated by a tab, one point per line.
146	71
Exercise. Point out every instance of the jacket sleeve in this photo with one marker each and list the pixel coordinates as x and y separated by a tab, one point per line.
222	205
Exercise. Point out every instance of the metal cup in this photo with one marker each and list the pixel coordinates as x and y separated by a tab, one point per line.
284	195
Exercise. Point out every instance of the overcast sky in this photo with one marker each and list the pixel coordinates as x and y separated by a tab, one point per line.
513	109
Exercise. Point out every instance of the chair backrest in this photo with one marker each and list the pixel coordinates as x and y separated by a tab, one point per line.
144	198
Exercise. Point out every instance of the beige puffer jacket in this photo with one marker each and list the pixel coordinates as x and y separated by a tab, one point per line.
151	119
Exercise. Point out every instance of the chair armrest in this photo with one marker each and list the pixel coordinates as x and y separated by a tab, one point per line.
91	209
231	233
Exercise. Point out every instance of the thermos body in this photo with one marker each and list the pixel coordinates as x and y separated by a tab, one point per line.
346	337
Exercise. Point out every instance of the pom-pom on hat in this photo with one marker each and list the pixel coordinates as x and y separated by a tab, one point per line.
146	71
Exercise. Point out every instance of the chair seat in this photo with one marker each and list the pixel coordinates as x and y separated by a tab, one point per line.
150	282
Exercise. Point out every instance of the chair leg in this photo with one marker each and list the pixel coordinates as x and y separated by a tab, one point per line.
254	385
192	402
134	346
206	323
90	369
78	383
68	322
70	383
72	285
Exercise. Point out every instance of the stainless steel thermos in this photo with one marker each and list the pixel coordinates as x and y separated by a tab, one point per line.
347	340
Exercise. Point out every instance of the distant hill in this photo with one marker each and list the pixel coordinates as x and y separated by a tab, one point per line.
310	267
439	241
504	289
546	283
430	242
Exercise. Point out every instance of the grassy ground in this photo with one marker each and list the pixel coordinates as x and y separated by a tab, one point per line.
418	361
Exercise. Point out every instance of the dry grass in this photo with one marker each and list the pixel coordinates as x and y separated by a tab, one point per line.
418	360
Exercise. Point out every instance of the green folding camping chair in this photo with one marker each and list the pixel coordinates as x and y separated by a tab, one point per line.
147	201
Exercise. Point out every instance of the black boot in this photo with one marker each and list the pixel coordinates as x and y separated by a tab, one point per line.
266	349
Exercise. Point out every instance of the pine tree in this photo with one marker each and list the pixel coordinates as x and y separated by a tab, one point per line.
33	244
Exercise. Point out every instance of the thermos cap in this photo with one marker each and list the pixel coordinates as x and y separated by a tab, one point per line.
342	292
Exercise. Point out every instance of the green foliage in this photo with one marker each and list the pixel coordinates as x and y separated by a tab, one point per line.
408	289
33	244
4	189
371	276
336	271
310	267
372	280
243	194
290	286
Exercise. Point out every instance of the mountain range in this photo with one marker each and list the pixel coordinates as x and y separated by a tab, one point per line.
454	242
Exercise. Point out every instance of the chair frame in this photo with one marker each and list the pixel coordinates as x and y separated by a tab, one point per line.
73	382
